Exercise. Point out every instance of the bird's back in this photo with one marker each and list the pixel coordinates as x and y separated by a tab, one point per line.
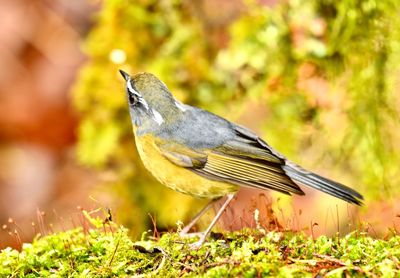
198	129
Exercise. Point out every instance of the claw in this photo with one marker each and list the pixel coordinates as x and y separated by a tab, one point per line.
196	245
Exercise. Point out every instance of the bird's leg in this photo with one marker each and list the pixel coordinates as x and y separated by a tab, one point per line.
186	229
204	235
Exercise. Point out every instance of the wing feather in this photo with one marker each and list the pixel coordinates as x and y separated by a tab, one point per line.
244	159
227	178
250	174
239	162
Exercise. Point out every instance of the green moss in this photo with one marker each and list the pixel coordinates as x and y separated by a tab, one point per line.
248	253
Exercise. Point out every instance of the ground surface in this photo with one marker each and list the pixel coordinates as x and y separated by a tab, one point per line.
106	252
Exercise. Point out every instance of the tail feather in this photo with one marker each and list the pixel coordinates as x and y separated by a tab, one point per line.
323	184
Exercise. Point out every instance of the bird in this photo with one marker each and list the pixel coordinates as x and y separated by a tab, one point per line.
196	152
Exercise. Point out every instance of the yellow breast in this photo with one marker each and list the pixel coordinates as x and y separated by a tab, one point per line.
176	177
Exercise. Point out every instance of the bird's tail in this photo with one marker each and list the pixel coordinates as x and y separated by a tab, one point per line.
323	184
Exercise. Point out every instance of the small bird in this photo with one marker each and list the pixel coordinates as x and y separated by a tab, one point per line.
201	154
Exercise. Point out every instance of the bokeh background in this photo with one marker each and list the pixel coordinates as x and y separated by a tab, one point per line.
318	79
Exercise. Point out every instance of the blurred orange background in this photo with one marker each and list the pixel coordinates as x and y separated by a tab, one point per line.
40	55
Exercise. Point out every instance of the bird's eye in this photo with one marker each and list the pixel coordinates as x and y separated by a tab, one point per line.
133	95
133	99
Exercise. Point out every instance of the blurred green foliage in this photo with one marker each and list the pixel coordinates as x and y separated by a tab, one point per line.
325	71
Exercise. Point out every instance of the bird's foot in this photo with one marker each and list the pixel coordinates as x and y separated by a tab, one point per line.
197	244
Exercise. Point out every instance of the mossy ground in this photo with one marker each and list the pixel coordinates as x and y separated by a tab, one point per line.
107	252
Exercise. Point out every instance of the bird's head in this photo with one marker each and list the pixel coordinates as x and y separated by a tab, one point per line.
150	101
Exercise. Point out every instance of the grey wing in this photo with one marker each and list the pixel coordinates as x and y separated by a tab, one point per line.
233	154
247	161
237	155
298	174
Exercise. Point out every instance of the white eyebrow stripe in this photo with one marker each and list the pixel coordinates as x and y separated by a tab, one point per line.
130	88
157	117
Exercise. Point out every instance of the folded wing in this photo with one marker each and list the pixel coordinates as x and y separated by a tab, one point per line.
242	160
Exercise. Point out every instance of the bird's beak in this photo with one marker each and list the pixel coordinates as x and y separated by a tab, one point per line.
125	75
